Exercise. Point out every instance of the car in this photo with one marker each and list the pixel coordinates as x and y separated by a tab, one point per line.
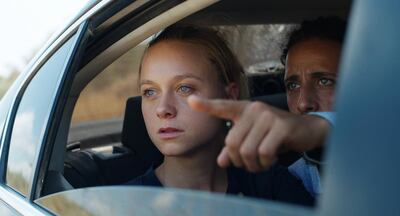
52	165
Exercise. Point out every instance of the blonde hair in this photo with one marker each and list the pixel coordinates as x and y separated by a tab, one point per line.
219	54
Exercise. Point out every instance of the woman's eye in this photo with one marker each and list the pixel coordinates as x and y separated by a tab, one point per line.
325	82
149	92
292	86
185	89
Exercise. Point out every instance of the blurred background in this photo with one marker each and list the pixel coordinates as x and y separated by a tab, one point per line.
27	25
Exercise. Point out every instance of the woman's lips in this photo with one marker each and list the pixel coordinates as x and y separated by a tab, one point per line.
169	132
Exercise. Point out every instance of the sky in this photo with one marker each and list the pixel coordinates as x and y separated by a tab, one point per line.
26	25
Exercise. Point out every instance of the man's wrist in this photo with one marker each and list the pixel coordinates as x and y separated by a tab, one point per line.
328	116
315	155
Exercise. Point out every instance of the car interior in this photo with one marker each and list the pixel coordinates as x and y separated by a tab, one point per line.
127	151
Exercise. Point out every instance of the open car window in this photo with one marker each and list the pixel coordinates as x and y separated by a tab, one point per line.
107	134
91	149
102	102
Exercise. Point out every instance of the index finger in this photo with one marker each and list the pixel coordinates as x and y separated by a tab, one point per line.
221	108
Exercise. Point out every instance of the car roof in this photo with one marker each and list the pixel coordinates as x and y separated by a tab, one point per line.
272	11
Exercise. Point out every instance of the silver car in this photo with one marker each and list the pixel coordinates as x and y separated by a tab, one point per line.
50	165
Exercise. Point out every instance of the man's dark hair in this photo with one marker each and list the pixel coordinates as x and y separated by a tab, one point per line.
326	28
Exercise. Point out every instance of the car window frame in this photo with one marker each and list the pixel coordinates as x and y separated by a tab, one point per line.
8	194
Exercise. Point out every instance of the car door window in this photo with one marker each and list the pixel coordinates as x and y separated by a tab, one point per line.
31	119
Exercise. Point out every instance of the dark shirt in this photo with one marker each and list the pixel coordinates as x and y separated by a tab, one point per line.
274	184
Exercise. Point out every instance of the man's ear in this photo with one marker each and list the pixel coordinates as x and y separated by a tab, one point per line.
232	91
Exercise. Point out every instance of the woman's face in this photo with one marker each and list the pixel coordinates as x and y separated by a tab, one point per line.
171	71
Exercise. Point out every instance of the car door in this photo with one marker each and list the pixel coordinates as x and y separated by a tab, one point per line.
29	119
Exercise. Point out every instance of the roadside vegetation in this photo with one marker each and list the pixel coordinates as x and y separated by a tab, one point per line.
5	82
105	96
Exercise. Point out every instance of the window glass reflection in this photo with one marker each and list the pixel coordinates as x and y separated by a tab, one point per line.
6	210
31	120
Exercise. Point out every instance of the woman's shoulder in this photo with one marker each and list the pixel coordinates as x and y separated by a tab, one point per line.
147	179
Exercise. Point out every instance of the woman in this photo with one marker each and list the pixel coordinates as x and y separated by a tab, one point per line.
184	61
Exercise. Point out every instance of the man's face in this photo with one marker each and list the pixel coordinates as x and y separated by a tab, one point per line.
310	76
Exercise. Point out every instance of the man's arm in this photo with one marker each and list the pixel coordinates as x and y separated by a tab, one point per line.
260	131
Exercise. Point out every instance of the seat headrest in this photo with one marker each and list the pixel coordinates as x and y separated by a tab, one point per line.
276	100
136	138
134	133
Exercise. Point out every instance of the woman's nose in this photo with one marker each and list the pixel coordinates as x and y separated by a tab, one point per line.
166	107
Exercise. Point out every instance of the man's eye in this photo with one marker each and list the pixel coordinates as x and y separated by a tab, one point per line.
325	82
185	89
292	86
149	92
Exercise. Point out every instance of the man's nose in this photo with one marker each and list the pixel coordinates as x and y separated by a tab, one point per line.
166	107
308	101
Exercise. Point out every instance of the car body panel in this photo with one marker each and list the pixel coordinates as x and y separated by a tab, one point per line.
362	175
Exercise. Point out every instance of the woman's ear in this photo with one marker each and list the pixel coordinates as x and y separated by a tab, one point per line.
232	91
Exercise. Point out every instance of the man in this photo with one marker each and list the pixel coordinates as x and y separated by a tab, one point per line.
312	57
261	131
